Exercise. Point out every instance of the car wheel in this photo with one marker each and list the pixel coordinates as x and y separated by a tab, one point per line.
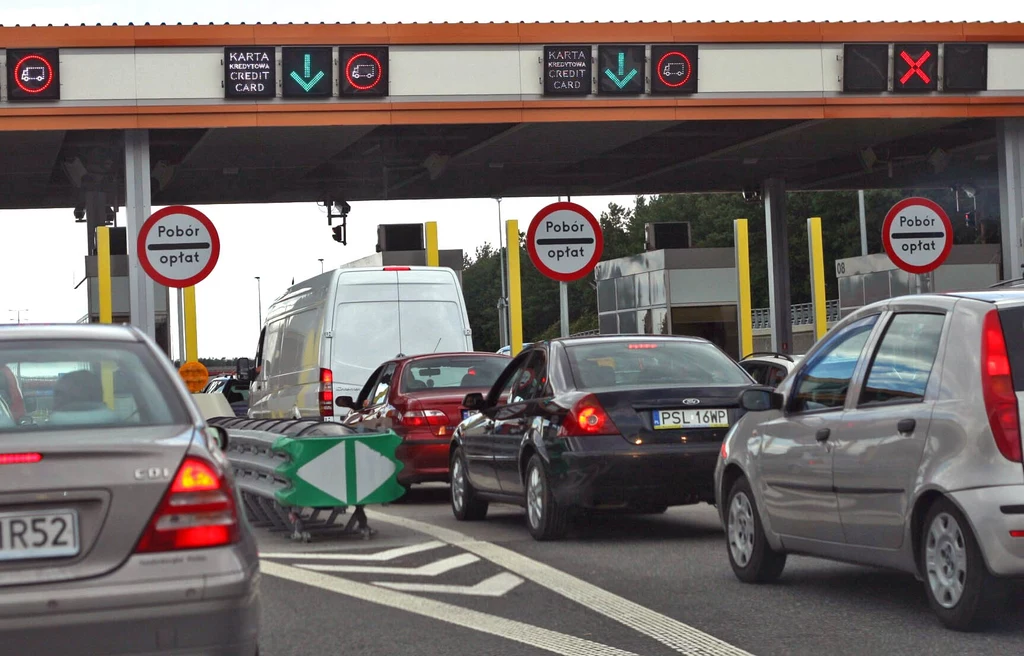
753	560
544	517
961	591
466	505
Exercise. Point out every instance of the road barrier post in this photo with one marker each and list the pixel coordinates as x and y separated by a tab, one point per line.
816	258
105	292
433	255
515	297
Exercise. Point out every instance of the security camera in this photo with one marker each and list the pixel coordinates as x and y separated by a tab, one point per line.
79	213
751	195
344	208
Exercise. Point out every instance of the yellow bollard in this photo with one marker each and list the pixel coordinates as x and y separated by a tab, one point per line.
745	314
105	293
191	336
433	255
816	258
515	296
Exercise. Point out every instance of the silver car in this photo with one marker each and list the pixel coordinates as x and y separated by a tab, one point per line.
120	526
895	442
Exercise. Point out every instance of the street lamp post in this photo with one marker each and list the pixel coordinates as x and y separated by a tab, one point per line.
321	264
259	300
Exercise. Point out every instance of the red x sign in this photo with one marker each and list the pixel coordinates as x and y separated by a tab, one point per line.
915	67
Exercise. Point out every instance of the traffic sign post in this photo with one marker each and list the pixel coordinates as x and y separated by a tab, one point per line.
917	235
565	243
179	247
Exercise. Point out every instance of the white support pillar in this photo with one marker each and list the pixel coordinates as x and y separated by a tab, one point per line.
137	210
1010	145
777	234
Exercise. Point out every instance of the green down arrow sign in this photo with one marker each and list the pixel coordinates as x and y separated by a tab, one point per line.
622	78
337	471
304	80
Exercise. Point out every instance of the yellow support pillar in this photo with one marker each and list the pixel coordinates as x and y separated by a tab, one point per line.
191	335
745	314
433	255
105	293
816	258
515	296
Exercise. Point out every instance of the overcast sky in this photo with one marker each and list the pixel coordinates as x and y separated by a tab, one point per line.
254	239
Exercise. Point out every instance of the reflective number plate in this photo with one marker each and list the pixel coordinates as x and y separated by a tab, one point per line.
31	535
706	418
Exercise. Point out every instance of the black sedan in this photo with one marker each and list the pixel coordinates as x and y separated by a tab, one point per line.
610	422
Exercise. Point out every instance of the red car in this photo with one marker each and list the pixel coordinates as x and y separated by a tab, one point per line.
420	398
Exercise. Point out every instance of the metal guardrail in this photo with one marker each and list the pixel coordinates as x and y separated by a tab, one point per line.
266	457
802	313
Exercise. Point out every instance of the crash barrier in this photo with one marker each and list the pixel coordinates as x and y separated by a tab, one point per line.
291	471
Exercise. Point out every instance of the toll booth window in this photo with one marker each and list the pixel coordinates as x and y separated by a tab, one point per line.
851	291
608	324
625	292
899	282
606	295
876	287
645	322
659	319
658	293
643	289
627	322
716	323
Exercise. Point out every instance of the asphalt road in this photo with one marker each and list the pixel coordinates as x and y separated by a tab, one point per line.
644	585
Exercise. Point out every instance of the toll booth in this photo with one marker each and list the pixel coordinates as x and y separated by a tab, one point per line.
870	278
671	291
120	294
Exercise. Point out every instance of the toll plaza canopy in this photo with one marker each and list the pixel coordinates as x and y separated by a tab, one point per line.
288	112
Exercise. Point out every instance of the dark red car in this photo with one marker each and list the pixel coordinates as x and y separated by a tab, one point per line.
420	398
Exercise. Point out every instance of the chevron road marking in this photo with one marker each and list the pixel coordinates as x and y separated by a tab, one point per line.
435	568
527	634
496	586
380	556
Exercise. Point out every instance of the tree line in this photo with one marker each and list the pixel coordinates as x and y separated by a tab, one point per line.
711	219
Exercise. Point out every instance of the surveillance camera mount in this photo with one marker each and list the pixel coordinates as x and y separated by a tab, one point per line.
338	210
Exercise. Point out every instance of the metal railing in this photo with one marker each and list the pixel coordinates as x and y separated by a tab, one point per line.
802	313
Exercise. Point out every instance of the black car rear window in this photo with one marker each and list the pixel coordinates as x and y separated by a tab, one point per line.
453	372
627	363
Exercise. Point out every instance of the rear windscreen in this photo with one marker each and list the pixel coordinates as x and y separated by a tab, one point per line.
623	363
458	372
1012	319
64	384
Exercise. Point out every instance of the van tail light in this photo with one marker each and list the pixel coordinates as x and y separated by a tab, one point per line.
587	417
326	393
397	268
197	512
20	458
997	387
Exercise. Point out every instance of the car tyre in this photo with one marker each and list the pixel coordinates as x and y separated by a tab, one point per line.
753	560
960	589
545	518
467	506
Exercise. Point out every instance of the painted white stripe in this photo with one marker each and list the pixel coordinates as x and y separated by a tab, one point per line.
380	556
435	568
680	637
552	641
496	586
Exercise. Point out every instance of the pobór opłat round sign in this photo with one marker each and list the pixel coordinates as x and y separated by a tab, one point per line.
178	246
565	241
917	235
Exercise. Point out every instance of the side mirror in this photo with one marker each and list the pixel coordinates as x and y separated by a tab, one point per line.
220	436
243	368
345	402
474	401
760	399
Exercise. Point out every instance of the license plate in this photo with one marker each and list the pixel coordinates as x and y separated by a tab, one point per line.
44	534
466	414
706	418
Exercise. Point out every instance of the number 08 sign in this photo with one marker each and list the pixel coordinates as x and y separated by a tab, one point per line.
917	235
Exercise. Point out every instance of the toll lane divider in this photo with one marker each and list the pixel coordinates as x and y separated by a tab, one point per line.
289	472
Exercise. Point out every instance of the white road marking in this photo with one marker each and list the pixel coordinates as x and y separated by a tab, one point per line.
535	636
676	635
380	556
435	568
496	586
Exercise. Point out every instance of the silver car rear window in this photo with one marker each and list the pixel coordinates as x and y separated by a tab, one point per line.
87	384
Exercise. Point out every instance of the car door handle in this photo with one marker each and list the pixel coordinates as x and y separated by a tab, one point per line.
822	434
906	426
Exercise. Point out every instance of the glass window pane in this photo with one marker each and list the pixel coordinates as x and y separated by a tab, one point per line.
608	324
851	292
826	379
899	282
606	295
625	292
645	322
627	322
658	361
904	359
876	287
658	296
453	372
643	289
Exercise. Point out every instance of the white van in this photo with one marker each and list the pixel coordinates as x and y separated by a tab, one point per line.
324	337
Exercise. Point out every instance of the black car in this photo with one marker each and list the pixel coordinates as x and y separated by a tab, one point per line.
610	422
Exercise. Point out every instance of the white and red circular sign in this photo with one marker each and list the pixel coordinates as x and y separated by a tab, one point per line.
565	241
363	71
33	74
674	69
178	246
917	235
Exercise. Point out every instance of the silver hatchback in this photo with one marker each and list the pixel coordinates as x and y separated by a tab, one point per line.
896	442
120	526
